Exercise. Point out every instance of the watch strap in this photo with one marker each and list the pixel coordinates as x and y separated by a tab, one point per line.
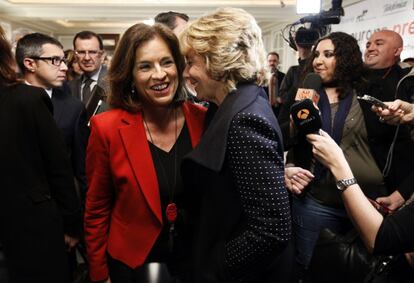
343	184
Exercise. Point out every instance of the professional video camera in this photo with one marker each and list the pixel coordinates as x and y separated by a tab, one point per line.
316	26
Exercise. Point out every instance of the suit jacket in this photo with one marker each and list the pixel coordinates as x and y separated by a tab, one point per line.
99	93
70	116
123	210
280	77
236	174
38	202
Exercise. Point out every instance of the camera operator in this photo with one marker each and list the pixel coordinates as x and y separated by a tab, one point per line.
290	83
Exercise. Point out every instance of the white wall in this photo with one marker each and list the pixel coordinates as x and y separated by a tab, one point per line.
273	41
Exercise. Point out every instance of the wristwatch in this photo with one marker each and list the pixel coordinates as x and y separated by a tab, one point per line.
343	184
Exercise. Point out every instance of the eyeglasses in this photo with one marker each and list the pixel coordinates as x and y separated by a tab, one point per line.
92	53
56	60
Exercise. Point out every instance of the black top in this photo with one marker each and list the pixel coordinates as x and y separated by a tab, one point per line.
165	169
395	237
396	233
382	84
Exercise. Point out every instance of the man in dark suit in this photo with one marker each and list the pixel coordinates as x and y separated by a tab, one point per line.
38	202
92	87
41	61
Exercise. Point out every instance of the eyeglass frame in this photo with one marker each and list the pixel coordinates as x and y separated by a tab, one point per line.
52	59
91	53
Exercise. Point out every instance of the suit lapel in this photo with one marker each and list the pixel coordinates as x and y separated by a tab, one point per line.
139	156
211	151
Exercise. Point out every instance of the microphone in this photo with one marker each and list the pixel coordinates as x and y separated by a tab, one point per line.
311	84
97	108
306	117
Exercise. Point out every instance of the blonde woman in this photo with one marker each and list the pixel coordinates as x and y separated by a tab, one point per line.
236	172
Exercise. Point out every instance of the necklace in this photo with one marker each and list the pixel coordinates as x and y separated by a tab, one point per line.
171	210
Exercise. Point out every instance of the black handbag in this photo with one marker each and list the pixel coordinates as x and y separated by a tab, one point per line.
344	258
340	258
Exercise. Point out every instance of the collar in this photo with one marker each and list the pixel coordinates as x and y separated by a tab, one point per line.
95	75
48	90
211	150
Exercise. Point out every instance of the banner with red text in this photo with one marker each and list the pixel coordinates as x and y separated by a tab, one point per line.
366	17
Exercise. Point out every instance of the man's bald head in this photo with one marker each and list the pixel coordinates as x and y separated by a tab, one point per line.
383	49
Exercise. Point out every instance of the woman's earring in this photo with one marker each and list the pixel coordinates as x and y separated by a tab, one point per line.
133	90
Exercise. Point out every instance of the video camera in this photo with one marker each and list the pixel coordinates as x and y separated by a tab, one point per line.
319	26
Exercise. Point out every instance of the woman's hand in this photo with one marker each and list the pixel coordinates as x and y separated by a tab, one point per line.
392	202
328	152
297	178
70	242
325	149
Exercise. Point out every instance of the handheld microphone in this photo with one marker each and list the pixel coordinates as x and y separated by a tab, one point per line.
306	117
311	84
98	106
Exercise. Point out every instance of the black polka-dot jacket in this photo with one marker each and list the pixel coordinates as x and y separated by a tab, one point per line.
240	204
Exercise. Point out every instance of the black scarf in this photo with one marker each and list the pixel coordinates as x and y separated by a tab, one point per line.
338	124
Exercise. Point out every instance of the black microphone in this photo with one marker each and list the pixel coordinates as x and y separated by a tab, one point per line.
306	117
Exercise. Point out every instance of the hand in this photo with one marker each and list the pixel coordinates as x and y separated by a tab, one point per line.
392	202
70	242
398	112
326	151
410	259
297	178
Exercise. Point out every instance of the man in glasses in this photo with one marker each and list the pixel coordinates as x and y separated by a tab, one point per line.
91	88
42	63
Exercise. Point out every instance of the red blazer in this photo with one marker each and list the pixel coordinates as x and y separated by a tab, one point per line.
123	210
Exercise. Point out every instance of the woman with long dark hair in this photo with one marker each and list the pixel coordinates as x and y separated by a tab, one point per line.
337	59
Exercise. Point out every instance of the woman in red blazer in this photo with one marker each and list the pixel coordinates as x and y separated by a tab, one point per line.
135	207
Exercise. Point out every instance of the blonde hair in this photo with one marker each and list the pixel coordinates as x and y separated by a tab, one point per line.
230	41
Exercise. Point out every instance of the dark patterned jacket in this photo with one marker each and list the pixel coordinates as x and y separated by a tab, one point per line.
236	175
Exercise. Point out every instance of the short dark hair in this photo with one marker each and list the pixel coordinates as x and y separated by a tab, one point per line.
87	34
7	74
168	18
31	45
273	53
120	73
